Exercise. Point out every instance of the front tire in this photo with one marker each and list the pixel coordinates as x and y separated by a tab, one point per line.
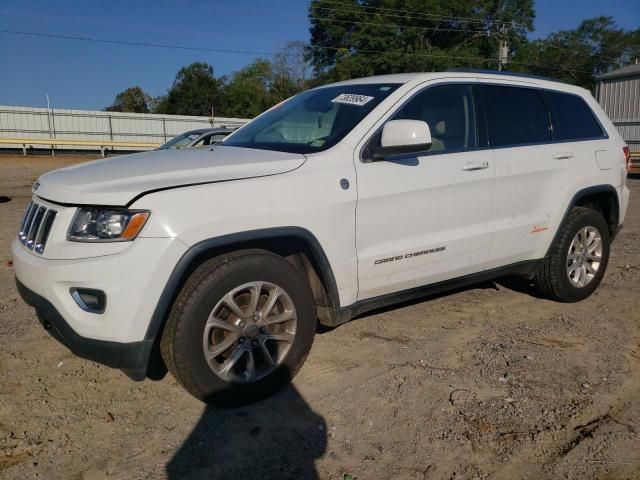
240	328
577	259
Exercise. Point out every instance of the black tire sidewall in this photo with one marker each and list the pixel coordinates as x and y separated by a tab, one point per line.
580	219
208	293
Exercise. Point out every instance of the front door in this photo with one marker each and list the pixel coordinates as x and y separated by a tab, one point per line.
421	220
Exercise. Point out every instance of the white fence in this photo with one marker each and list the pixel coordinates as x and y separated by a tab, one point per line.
87	125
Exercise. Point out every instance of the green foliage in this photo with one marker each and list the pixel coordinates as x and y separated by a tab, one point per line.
248	93
577	56
357	38
263	84
369	37
195	91
133	99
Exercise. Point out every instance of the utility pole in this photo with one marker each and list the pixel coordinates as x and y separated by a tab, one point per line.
503	48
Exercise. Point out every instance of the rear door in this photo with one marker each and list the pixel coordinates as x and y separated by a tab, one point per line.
423	219
529	171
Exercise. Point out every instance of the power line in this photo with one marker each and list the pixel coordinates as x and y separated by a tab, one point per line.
359	10
394	26
135	44
482	60
409	14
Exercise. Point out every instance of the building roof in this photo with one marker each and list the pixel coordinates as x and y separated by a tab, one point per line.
628	71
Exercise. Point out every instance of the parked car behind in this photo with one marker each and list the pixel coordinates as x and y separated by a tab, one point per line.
197	138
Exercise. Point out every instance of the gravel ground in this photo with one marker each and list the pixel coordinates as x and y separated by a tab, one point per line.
486	382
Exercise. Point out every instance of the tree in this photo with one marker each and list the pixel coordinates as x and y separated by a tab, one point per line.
291	69
263	83
247	93
133	99
577	56
367	37
195	91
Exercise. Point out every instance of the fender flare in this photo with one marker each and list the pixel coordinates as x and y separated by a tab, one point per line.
178	275
583	193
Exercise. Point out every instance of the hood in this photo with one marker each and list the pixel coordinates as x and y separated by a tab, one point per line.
118	180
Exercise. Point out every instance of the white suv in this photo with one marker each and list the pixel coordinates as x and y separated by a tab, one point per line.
219	262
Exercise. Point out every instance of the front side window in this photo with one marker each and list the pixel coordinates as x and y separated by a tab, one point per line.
572	118
515	116
312	121
449	112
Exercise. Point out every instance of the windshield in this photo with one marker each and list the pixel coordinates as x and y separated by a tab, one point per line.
312	121
180	141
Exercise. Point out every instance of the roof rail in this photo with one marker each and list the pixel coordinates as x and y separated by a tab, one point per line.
502	72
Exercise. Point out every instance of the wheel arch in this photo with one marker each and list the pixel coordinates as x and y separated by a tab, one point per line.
603	198
296	244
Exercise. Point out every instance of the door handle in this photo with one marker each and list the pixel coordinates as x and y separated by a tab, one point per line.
471	166
563	156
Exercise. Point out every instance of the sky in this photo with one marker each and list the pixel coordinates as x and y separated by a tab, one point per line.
88	75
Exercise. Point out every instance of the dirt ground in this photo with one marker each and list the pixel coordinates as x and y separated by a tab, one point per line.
487	382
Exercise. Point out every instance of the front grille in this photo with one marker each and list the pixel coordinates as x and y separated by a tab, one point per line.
36	225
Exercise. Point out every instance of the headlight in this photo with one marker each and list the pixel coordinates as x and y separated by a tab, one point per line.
100	224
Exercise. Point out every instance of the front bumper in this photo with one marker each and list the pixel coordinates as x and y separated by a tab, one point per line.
132	280
132	357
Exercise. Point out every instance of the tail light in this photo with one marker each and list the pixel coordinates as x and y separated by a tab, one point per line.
627	156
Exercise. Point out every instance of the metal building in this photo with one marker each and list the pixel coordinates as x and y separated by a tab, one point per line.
95	127
618	92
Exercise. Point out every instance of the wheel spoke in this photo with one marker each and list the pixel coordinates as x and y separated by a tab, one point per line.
583	237
280	317
594	245
590	268
594	258
267	355
228	364
577	273
281	337
251	366
229	301
274	294
215	322
572	270
223	346
255	290
583	275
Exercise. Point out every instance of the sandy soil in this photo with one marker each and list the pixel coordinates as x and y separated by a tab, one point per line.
488	382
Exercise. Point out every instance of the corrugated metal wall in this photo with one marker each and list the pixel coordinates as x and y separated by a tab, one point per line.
43	123
620	98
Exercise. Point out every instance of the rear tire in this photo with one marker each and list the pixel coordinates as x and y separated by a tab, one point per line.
577	259
227	355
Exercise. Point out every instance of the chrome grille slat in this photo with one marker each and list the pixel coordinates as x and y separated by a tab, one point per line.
27	222
24	218
36	225
43	233
33	228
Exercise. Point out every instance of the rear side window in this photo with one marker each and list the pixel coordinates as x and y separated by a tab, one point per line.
572	118
515	116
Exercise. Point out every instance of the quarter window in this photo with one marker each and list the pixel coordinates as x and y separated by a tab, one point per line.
449	112
572	118
515	116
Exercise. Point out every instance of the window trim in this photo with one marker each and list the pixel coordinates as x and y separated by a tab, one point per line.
543	93
479	107
543	101
605	134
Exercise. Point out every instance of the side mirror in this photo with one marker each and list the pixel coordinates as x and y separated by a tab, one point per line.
402	137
